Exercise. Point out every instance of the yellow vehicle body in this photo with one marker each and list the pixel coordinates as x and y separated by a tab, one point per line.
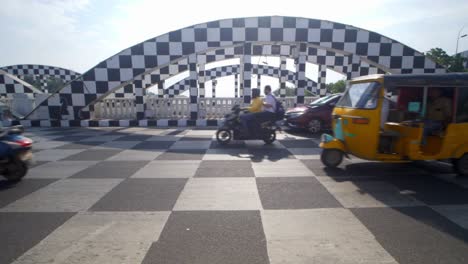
361	132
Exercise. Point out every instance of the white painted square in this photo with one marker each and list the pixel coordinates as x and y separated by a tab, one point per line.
78	99
138	61
100	74
219	194
175	48
338	35
188	35
213	34
126	74
281	168
374	49
149	48
113	63
397	49
100	237
320	236
168	169
264	34
67	195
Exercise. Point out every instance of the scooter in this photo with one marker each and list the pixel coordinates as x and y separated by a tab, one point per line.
15	153
231	129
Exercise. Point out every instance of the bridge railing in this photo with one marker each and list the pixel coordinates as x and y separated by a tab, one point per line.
175	108
115	108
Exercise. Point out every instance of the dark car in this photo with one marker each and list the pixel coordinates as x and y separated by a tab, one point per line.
314	117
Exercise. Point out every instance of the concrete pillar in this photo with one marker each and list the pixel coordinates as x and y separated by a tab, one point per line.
246	73
301	81
322	80
283	76
213	88
139	99
193	77
201	80
236	85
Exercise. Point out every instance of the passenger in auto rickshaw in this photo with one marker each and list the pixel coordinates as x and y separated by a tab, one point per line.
438	112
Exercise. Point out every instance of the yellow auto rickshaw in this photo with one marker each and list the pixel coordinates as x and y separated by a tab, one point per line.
388	118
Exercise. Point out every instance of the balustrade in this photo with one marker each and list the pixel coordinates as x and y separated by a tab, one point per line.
175	108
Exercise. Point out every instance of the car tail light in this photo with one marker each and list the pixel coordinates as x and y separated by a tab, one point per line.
24	142
361	121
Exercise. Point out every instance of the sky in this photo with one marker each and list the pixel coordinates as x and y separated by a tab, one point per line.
78	34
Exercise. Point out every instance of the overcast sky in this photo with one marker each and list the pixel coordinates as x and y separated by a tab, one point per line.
79	34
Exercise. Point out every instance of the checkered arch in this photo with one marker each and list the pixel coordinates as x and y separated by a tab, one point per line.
11	85
245	33
42	73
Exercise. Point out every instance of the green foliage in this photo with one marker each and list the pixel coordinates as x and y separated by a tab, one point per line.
33	81
452	63
54	84
337	87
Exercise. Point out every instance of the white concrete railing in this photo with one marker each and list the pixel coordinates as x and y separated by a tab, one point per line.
211	108
115	108
175	108
167	108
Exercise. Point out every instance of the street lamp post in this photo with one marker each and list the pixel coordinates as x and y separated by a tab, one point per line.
459	37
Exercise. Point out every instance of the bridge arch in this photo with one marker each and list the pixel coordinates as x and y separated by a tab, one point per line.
358	46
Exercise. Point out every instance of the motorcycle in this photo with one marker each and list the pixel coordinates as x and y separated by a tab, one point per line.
15	153
231	129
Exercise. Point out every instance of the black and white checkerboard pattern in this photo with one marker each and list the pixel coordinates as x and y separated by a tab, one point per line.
214	73
136	195
41	72
11	85
161	51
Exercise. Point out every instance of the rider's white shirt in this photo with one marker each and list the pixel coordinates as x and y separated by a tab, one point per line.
269	99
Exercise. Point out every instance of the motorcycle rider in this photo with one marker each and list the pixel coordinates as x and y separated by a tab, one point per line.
255	107
269	107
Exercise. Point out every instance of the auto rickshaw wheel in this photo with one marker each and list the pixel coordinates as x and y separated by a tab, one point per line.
331	157
461	165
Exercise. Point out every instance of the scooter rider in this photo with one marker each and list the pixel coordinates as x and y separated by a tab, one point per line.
255	107
269	107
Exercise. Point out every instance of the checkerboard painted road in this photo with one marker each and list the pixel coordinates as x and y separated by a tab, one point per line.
143	195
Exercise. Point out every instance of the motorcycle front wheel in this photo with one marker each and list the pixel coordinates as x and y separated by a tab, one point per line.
223	136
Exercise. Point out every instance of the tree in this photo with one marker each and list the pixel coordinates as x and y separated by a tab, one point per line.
32	81
336	87
452	63
439	56
54	84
